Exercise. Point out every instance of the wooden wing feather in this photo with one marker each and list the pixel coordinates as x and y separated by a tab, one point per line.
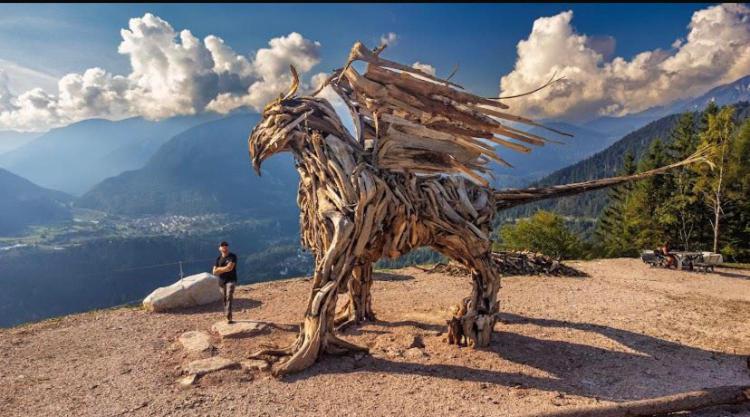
416	122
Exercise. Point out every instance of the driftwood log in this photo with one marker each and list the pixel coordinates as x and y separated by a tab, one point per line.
509	263
411	174
687	401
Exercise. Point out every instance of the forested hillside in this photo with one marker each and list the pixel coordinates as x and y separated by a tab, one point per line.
24	203
603	164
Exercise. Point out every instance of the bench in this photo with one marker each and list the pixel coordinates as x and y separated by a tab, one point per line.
707	261
652	258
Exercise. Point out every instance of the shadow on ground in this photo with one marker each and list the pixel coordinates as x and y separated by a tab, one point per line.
728	274
654	367
238	304
387	276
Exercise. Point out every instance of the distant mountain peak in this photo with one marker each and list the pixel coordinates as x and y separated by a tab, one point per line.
730	93
734	92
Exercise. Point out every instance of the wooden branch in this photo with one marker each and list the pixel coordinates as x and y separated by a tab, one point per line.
514	197
360	52
687	401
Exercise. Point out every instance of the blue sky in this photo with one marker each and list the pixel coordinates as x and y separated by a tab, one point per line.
58	39
481	38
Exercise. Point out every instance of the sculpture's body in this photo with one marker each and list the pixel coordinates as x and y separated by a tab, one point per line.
383	194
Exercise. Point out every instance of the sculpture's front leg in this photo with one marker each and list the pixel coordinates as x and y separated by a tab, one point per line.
317	331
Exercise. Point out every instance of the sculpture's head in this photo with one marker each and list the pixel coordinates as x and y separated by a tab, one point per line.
272	134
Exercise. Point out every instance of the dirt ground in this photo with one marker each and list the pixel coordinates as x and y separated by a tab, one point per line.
625	332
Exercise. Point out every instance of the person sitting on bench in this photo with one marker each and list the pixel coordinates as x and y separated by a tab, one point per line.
671	260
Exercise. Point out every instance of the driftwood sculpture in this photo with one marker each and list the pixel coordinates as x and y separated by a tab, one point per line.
410	175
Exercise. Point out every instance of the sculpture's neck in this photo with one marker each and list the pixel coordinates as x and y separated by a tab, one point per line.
318	148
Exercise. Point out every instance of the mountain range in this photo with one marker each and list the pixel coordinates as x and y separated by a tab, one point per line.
10	140
197	164
204	169
734	92
76	157
25	203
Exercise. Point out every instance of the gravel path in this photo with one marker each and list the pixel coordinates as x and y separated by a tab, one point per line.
626	332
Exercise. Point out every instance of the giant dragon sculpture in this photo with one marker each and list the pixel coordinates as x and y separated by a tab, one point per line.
410	174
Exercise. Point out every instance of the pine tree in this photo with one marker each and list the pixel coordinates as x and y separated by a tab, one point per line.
711	183
612	238
682	212
711	110
643	217
737	207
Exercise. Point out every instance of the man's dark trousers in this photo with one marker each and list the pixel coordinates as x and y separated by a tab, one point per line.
227	288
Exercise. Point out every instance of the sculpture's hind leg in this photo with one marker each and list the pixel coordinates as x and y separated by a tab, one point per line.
479	320
477	314
317	330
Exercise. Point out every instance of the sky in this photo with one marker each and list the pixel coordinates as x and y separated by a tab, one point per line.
64	63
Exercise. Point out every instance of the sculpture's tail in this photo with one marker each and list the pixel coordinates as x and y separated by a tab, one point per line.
515	197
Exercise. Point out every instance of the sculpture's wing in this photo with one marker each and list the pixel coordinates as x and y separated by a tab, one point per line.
417	122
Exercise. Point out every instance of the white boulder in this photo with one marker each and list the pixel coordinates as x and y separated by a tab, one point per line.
190	291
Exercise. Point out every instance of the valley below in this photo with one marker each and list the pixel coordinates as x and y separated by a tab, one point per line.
100	260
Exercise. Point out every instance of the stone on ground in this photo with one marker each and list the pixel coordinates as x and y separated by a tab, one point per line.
212	364
415	353
195	341
186	382
238	328
190	291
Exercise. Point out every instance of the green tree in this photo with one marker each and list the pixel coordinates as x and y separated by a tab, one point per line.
612	236
682	212
711	110
644	210
543	232
737	207
711	182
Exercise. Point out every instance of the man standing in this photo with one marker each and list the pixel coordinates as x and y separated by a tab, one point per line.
226	268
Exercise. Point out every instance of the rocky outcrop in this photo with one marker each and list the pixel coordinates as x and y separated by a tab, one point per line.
190	291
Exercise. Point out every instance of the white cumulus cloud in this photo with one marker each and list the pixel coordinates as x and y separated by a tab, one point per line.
429	69
172	73
715	51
